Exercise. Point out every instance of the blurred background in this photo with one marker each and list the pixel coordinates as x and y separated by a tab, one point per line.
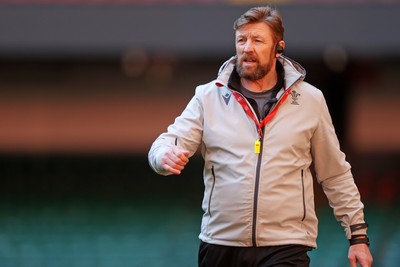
87	85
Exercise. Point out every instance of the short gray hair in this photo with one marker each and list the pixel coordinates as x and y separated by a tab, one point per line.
266	14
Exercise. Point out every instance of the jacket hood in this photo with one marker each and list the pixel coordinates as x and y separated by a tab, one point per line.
293	71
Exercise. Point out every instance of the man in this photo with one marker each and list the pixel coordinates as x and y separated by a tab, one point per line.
260	127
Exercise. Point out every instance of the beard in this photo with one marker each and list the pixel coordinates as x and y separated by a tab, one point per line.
248	73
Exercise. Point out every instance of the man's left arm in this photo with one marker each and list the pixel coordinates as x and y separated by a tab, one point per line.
334	174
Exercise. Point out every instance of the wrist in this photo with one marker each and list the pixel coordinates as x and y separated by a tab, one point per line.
359	239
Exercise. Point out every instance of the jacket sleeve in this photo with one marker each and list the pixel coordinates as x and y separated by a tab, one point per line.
334	173
186	132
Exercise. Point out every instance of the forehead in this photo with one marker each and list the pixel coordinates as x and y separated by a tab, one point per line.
259	29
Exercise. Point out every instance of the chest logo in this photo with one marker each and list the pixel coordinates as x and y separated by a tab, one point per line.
295	97
226	97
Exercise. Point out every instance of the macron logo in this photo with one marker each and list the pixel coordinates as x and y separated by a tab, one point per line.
227	97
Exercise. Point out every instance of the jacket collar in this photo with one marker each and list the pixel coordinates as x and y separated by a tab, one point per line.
293	71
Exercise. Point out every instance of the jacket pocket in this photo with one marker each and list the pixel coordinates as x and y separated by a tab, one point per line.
303	196
211	191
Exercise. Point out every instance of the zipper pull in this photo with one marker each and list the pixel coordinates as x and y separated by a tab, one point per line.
257	146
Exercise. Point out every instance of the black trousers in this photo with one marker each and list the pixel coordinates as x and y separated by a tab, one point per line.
211	255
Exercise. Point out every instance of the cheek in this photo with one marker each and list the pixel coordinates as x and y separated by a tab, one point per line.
268	54
239	50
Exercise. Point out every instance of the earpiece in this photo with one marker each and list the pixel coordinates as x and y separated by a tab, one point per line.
279	49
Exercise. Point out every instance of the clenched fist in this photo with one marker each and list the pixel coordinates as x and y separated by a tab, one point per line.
175	159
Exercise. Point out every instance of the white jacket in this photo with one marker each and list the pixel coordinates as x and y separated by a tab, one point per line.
264	199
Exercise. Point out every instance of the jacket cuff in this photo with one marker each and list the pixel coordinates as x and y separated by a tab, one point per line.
358	229
155	161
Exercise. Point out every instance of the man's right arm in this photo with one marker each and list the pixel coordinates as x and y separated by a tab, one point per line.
171	151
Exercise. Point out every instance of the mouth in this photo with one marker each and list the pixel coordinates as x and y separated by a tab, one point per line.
249	60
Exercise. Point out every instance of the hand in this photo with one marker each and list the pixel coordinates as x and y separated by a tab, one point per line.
360	253
175	159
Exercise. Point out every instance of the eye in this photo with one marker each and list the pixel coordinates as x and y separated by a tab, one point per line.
240	40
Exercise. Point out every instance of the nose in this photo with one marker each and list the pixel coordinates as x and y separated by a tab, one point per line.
248	46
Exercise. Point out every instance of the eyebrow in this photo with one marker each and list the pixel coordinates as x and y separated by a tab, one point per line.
249	36
252	35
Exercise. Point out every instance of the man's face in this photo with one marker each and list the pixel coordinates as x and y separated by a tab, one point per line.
255	49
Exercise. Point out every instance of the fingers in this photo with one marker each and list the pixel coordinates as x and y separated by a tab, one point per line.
182	155
175	159
353	262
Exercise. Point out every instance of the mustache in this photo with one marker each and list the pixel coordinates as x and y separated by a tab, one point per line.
248	58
